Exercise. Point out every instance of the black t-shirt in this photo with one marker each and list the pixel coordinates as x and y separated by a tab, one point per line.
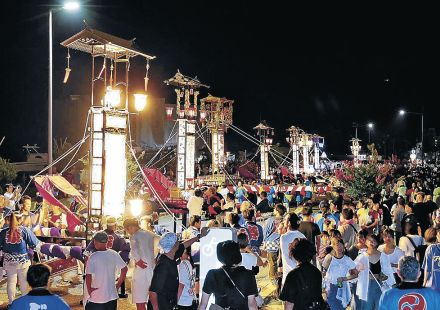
310	230
165	282
422	211
226	295
303	286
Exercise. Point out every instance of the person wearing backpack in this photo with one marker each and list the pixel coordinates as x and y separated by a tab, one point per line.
411	244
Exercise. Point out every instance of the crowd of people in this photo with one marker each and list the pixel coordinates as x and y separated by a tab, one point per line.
320	251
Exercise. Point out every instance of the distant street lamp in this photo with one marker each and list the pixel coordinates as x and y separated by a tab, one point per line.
370	126
68	6
402	113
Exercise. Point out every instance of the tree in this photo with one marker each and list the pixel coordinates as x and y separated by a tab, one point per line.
7	171
364	179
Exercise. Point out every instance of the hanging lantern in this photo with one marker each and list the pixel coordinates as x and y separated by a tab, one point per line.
202	115
192	112
140	101
189	183
169	112
191	91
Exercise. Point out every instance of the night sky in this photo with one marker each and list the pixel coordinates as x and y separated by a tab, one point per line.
319	68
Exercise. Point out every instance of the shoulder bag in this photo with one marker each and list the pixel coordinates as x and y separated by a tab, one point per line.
217	307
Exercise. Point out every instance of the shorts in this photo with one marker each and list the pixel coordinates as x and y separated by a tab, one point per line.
140	284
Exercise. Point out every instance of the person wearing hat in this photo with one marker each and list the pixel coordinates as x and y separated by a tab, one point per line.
115	242
233	285
142	244
165	283
101	268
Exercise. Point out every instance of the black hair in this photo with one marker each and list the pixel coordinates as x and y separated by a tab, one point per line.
281	209
376	198
230	196
194	219
235	218
334	233
242	240
363	232
264	194
347	213
228	253
389	232
376	238
307	210
198	193
302	250
294	221
411	228
38	275
249	214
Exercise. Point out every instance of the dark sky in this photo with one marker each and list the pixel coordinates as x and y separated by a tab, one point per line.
319	68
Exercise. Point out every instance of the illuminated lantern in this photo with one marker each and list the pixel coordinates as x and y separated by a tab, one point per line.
182	113
112	97
202	115
189	183
140	101
192	112
169	112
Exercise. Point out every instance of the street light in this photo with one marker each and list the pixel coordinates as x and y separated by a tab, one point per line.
68	6
403	112
368	125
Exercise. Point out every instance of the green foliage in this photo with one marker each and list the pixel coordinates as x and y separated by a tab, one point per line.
364	179
7	171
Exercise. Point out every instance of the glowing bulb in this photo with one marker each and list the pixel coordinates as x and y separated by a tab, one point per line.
140	101
136	207
71	6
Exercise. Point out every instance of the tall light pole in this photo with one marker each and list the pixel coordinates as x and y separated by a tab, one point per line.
402	113
370	126
68	6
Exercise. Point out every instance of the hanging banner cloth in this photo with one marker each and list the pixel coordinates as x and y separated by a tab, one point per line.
44	186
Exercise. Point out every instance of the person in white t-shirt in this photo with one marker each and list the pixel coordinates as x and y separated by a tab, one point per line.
389	248
411	236
224	191
101	269
9	195
195	203
292	224
142	245
249	259
185	293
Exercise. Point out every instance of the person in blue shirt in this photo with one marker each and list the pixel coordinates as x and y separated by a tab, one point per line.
15	241
39	297
409	294
431	265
